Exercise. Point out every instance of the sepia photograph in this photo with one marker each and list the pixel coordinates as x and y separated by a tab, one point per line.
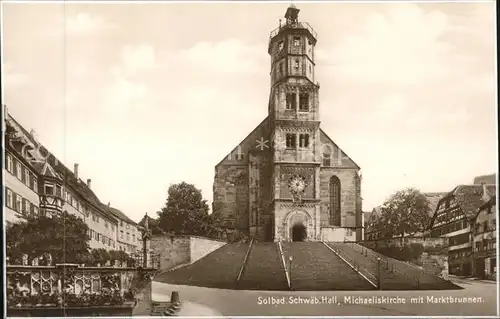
249	158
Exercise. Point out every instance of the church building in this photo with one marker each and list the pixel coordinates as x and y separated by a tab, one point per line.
287	180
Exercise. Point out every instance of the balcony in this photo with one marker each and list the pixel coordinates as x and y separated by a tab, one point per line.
298	25
460	246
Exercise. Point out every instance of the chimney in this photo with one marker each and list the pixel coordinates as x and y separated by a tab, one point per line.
89	181
75	171
486	195
109	204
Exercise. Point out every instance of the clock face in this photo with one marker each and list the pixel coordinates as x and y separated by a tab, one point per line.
297	184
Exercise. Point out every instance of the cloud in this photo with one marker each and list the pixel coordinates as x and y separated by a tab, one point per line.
83	23
228	56
399	48
138	58
13	78
124	95
80	24
407	67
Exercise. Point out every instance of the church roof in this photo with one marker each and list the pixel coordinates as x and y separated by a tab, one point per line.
255	130
335	144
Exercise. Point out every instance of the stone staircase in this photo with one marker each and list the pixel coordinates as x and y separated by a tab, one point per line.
394	274
264	269
315	267
218	269
158	308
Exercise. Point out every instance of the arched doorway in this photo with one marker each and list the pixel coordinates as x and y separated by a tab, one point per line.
299	232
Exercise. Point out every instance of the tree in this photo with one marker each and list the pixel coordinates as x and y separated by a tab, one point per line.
63	236
404	213
185	212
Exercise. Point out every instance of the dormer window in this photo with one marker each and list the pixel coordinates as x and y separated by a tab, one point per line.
49	189
296	41
58	191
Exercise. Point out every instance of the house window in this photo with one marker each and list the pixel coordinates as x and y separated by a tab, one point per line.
281	68
49	189
485	227
27	176
19	171
327	161
348	232
296	41
133	238
25	208
103	239
304	102
296	63
128	236
291	101
128	226
18	203
32	209
121	223
304	140
121	234
9	163
334	201
58	191
310	69
10	198
291	140
106	224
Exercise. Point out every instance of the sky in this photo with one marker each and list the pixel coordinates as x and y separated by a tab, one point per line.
145	95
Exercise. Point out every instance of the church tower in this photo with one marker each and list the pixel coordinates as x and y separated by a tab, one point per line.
294	128
287	180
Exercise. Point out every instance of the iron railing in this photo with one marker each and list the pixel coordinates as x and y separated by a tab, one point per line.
297	25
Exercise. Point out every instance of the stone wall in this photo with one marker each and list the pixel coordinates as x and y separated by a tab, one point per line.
434	257
180	250
200	247
427	242
337	234
348	195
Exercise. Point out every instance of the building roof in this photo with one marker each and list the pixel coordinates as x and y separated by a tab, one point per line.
55	168
487	179
470	197
119	214
434	198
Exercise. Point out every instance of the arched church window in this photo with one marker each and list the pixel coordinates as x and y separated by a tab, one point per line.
334	201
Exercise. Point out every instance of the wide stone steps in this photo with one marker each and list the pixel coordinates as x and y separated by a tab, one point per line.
315	267
394	274
264	269
218	269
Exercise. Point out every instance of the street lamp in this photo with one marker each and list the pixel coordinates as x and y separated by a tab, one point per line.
290	270
378	273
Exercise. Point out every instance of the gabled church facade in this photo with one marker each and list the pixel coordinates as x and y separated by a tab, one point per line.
287	180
